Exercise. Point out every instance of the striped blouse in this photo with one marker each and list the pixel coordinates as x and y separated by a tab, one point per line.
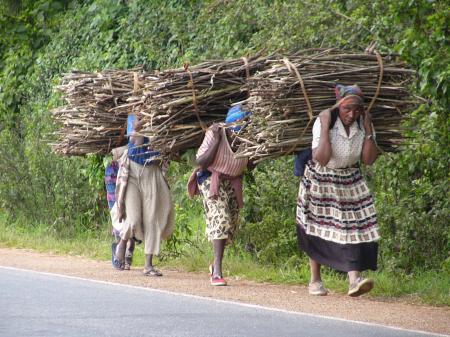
110	182
224	160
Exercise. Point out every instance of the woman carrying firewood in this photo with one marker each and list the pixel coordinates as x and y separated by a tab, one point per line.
219	180
336	218
143	199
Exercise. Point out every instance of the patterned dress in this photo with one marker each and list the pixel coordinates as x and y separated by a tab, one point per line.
336	218
222	189
111	172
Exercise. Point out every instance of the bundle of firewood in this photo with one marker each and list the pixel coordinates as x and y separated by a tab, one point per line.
285	99
93	119
183	102
284	94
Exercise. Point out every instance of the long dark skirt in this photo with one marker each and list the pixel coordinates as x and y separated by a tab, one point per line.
336	219
342	257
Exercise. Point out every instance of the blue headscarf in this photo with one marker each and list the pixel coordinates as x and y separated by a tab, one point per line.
235	114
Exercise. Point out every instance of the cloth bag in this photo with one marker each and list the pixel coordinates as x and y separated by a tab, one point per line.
114	212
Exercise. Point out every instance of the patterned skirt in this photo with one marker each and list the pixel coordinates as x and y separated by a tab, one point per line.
336	218
221	214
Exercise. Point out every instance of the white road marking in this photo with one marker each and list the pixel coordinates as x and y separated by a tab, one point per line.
248	305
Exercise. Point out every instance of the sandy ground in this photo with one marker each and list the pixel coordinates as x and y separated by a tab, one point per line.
294	298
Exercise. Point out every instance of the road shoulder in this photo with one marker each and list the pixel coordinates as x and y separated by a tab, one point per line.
283	297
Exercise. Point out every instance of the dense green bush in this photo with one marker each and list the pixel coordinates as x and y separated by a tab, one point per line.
40	40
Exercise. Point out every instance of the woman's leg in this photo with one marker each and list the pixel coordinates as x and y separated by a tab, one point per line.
148	261
130	246
353	276
231	214
219	225
219	248
120	250
316	287
129	254
315	271
149	269
155	213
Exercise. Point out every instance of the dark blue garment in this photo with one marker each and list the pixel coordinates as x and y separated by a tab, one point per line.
141	154
110	183
301	158
202	175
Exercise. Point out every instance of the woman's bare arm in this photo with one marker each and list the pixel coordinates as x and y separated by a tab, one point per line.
370	151
322	153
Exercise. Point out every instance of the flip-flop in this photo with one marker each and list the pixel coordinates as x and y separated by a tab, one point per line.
152	272
115	262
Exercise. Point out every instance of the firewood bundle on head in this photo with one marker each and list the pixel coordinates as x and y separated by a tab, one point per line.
283	94
97	105
285	99
183	102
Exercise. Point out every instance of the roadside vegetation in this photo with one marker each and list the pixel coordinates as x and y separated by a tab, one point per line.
53	203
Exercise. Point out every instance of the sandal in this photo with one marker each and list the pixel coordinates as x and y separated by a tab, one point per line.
152	272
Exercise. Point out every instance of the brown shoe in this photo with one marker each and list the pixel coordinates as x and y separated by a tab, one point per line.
361	286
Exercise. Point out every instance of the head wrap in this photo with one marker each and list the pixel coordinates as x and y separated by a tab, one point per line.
343	92
235	114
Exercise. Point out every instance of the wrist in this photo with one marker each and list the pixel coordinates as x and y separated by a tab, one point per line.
324	126
367	122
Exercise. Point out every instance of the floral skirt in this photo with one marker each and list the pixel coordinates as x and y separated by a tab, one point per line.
221	214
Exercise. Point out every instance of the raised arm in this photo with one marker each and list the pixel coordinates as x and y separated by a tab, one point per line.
208	149
322	153
370	151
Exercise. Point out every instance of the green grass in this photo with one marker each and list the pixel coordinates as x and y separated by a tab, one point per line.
423	287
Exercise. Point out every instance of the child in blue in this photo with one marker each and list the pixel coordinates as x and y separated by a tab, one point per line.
111	171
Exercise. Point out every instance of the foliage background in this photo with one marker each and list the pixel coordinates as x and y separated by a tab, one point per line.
40	40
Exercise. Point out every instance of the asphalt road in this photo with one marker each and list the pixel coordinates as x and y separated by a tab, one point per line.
36	304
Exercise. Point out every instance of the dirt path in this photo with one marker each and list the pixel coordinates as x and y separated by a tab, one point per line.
294	298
